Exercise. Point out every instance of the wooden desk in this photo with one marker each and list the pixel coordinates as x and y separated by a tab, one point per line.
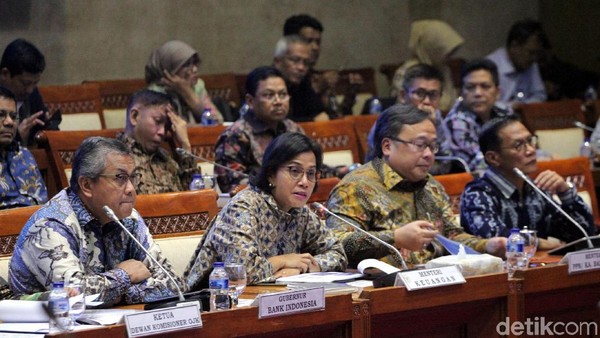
466	310
552	293
342	317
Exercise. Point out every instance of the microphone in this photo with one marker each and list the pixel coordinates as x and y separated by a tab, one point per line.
455	158
108	211
320	206
183	152
554	204
582	126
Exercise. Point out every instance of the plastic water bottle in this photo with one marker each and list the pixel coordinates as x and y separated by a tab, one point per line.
197	182
58	303
208	118
516	259
218	282
375	106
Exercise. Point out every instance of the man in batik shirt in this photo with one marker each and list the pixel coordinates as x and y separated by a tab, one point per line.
149	118
21	183
242	145
72	239
396	199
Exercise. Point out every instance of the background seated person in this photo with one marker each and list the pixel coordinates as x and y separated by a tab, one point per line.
268	227
242	145
21	183
477	105
292	59
396	199
422	87
173	69
149	117
71	238
500	200
21	69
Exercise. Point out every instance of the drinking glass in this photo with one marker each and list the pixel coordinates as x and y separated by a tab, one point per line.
76	292
530	242
209	182
237	279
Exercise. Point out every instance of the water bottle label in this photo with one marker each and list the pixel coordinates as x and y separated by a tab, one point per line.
59	305
219	284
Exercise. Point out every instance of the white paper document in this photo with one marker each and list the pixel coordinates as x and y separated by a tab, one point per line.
377	264
320	277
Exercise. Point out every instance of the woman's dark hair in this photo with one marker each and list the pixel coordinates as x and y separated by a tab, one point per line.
281	150
390	123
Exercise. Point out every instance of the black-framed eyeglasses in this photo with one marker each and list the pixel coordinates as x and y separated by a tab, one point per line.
297	172
13	115
296	60
121	178
419	145
271	96
521	145
421	94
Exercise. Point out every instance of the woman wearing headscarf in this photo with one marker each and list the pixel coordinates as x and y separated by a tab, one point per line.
173	69
432	42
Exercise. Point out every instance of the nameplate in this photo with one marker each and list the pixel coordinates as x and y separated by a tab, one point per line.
289	302
430	278
181	317
582	261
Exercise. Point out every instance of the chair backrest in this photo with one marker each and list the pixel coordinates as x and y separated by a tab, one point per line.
368	86
454	184
60	147
203	141
114	95
11	223
43	163
223	86
325	187
80	105
178	221
338	140
362	125
178	213
577	171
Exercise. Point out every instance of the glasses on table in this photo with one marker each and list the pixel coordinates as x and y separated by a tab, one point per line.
418	144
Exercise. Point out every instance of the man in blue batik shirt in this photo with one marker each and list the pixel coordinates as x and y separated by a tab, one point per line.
21	183
72	239
500	200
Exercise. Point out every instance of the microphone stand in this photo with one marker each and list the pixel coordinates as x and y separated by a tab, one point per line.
554	204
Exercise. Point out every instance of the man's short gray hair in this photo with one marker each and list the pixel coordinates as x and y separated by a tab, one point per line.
90	158
283	45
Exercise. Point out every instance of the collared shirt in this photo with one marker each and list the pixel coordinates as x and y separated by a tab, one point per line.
529	82
160	172
379	200
63	239
21	183
33	104
491	206
242	145
305	104
463	128
251	229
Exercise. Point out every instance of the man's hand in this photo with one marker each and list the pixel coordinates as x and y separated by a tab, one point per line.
179	128
304	262
415	235
551	181
136	270
27	124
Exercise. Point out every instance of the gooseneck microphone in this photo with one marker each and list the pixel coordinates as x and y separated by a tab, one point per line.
320	206
183	152
554	204
108	211
583	126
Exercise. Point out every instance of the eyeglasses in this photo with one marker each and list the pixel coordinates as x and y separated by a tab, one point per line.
421	94
296	173
121	179
521	145
419	145
13	115
270	96
471	87
296	60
